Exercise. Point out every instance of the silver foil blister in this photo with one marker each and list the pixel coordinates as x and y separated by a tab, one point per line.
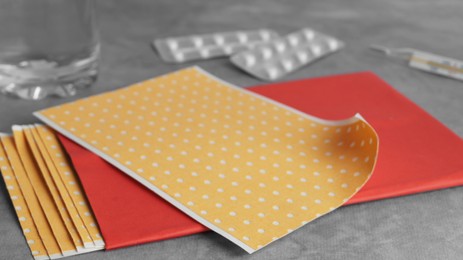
277	58
196	47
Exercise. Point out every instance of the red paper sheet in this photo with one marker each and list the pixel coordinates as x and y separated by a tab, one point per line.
417	153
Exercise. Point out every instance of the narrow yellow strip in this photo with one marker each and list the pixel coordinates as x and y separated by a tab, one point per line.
71	182
41	191
63	192
52	186
41	223
22	211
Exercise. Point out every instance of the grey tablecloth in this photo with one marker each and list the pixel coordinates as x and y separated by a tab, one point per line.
424	226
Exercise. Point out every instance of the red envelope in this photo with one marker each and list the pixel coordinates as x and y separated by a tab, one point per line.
417	153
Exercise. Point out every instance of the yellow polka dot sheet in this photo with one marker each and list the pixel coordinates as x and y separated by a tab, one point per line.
247	167
49	202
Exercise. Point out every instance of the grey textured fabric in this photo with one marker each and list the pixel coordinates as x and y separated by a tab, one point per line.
424	226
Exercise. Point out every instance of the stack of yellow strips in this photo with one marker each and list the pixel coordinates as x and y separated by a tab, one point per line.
49	201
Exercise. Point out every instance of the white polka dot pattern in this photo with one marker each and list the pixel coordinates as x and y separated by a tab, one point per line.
41	191
33	180
65	173
52	188
31	204
22	211
247	167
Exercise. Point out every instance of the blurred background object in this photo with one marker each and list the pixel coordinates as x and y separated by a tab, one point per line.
47	47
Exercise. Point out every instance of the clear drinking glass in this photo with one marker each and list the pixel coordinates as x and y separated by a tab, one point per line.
47	47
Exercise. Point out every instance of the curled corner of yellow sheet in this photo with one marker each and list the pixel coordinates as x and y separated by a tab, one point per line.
354	148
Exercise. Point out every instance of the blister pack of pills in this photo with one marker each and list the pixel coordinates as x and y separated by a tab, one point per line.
195	47
272	60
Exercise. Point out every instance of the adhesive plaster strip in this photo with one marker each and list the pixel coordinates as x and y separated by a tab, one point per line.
57	225
46	175
71	183
22	211
63	192
38	216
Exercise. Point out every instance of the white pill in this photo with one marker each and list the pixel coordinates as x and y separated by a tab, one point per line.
173	45
302	56
198	42
205	53
280	46
265	35
287	64
316	49
309	34
273	72
333	44
266	53
179	57
293	40
229	49
219	40
242	37
250	60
